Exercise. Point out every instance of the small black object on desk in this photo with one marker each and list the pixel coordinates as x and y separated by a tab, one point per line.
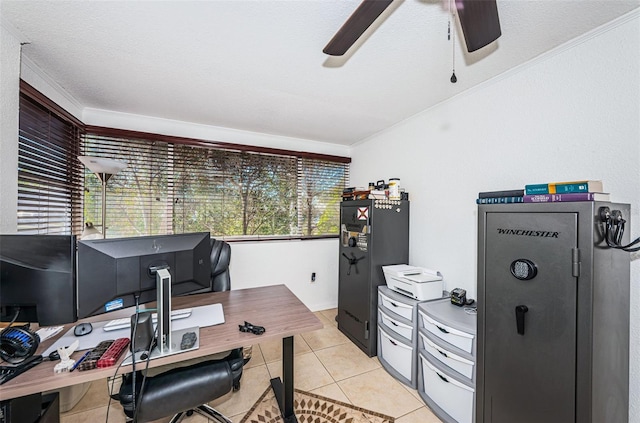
255	329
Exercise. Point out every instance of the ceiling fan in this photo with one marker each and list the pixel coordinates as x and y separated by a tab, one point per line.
479	20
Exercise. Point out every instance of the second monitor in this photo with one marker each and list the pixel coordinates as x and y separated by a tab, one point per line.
117	273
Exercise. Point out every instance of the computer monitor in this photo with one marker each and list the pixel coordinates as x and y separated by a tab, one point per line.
37	279
111	272
117	273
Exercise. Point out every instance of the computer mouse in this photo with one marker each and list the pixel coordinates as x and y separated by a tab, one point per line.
82	329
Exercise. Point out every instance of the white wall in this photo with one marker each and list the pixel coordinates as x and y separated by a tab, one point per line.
9	89
291	263
572	114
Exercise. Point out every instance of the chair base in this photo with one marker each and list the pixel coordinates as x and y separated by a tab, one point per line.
205	411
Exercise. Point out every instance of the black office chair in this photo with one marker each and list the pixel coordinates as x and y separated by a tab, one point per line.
186	390
220	259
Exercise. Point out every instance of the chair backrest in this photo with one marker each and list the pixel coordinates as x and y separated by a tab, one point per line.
220	259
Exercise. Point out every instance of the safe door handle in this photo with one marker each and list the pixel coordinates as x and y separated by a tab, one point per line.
520	312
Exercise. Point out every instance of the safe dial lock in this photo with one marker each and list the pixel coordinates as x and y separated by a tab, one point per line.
523	269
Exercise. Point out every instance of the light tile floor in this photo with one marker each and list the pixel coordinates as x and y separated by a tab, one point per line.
326	363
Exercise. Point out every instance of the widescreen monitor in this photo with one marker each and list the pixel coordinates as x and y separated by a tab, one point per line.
37	279
113	272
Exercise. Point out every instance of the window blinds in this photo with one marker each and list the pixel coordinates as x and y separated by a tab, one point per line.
178	187
49	177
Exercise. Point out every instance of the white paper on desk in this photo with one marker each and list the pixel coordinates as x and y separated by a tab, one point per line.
48	332
202	316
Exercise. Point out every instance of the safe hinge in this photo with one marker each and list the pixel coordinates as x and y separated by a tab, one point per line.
575	262
366	329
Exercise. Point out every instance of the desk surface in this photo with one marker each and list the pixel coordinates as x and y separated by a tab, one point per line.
274	307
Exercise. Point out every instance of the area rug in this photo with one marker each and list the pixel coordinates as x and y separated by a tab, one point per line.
312	408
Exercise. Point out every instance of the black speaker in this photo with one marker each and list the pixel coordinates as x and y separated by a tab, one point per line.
143	338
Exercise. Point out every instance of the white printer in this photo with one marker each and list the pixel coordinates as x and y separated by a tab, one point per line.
416	282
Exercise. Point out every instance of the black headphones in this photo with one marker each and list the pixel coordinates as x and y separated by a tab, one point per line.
17	343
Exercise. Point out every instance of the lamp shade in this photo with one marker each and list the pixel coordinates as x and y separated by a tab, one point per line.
90	232
102	164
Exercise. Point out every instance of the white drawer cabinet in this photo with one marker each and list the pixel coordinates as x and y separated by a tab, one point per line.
446	360
391	301
398	335
397	356
448	334
405	330
446	394
456	362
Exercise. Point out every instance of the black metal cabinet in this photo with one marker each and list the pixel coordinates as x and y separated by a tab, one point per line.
373	233
553	316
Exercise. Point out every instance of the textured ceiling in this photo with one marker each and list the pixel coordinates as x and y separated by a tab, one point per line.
258	65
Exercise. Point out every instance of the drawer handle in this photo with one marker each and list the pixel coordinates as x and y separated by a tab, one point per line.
443	330
393	304
442	353
392	342
442	377
393	323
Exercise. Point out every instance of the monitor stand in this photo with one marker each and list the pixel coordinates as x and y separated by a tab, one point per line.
168	342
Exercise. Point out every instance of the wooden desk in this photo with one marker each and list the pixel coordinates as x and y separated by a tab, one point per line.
275	307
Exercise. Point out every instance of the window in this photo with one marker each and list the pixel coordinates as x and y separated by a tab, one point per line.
171	184
177	185
49	176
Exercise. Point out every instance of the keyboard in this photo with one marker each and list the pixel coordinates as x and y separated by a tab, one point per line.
125	322
12	370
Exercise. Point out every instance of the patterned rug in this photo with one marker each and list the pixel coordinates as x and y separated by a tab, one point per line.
311	408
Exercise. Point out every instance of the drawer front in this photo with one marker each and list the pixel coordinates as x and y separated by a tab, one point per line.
397	354
455	337
398	327
455	398
395	306
449	359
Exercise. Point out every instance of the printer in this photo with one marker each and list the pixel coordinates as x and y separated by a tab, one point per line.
416	282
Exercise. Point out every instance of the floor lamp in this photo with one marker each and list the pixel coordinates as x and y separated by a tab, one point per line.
104	169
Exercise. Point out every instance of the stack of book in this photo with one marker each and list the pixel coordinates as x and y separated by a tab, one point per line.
547	193
565	192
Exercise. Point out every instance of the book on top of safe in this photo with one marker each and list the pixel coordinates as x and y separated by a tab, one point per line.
574	196
564	187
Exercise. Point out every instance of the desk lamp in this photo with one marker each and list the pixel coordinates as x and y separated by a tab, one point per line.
104	169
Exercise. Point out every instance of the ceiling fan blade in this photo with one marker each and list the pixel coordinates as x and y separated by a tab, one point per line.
355	26
480	22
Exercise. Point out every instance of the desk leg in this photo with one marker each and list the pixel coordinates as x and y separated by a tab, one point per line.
283	389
